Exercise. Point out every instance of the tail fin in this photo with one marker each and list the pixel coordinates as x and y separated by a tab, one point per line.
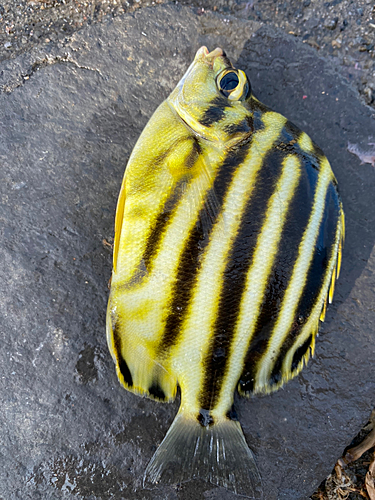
218	453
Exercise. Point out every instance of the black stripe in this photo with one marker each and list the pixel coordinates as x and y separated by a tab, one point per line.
183	286
288	139
189	264
125	372
226	61
156	391
215	111
243	127
323	253
166	212
124	369
295	225
255	107
289	144
300	352
234	279
162	220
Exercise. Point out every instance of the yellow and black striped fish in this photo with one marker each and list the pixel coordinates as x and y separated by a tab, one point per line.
228	239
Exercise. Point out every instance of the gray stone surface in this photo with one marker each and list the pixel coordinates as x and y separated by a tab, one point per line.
68	122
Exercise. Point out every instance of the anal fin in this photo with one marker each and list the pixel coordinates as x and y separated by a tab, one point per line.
137	369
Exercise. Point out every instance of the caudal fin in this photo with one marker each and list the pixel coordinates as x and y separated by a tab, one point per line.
216	453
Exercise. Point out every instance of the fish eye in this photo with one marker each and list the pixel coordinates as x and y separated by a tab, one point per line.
234	85
229	82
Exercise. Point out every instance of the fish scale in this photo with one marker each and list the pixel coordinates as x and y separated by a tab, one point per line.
259	271
228	240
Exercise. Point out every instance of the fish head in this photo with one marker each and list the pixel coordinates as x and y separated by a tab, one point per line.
213	98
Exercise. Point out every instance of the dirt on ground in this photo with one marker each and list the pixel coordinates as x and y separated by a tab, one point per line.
342	31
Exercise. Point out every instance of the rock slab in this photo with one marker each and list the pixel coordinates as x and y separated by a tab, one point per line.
68	121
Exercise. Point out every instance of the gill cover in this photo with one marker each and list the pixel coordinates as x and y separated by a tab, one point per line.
211	96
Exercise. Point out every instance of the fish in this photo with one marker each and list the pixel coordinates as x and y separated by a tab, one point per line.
229	231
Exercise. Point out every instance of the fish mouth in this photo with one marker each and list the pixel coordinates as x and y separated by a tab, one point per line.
207	57
205	68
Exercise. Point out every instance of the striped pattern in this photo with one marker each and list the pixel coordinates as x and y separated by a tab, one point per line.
226	258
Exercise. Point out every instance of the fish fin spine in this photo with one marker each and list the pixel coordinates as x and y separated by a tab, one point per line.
217	453
342	219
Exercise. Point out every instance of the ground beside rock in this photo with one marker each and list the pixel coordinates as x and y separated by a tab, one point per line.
69	119
343	31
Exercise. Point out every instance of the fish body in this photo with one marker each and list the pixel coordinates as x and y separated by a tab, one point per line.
228	239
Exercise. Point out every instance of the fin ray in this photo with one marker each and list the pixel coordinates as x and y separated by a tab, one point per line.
217	453
118	222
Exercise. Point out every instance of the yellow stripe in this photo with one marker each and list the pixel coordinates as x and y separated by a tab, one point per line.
147	185
298	279
257	278
143	311
312	324
306	143
323	312
197	331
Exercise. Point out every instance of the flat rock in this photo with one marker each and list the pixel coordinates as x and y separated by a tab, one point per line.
69	119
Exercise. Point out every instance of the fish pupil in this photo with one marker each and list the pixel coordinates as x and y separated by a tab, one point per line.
229	81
